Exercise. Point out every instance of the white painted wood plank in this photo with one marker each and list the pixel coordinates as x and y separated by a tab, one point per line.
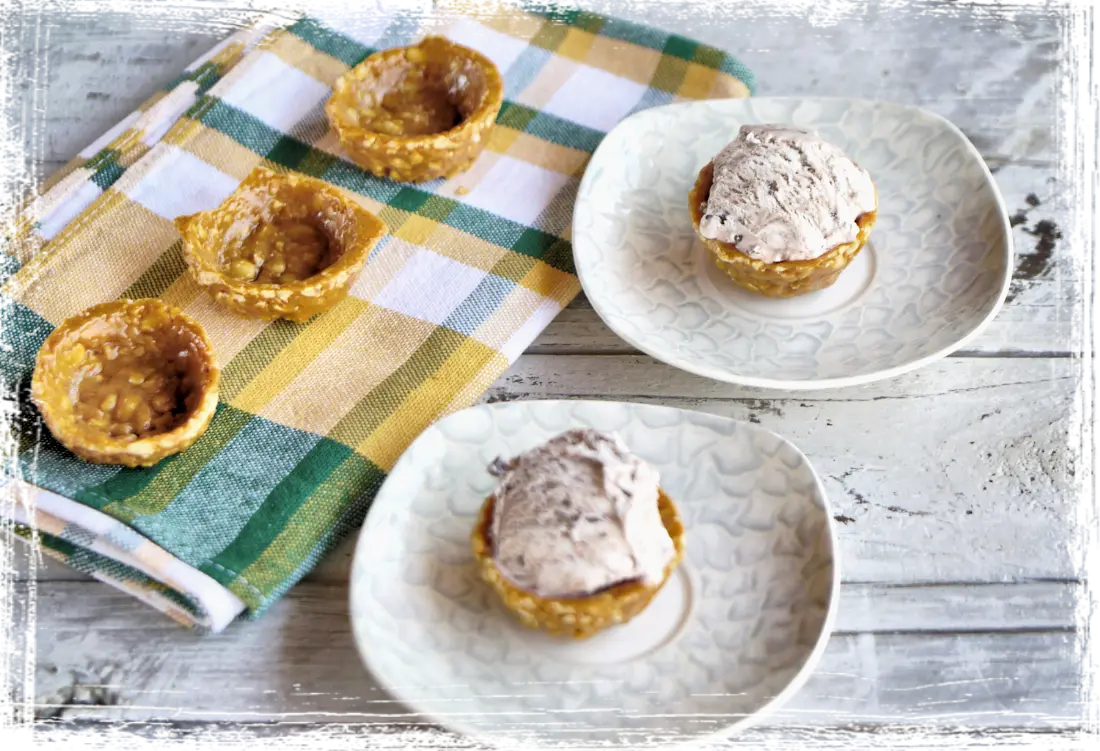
70	70
19	562
870	607
96	76
1005	465
957	608
1037	317
134	664
85	737
992	75
103	656
1038	204
959	471
864	607
974	682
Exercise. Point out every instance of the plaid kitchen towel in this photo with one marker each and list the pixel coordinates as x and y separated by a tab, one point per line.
313	415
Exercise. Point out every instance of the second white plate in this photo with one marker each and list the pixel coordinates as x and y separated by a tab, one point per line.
935	272
735	630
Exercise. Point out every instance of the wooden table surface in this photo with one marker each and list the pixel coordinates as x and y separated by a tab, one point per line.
954	485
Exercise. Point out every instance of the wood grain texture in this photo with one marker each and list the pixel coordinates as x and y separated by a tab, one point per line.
952	486
70	70
206	737
103	656
865	607
99	68
44	569
957	608
996	82
1011	75
1037	318
956	472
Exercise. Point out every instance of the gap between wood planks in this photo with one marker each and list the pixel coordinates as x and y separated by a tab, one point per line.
1003	102
997	162
983	491
538	349
945	608
226	737
940	609
102	655
1035	317
1036	323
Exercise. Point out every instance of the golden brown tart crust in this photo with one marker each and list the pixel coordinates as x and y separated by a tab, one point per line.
782	279
281	246
126	382
417	113
576	617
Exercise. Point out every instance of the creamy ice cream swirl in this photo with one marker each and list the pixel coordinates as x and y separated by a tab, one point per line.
576	515
781	193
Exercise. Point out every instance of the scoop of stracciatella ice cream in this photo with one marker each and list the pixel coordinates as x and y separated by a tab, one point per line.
782	193
576	515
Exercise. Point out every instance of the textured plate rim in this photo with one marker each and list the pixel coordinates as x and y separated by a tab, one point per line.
728	376
793	686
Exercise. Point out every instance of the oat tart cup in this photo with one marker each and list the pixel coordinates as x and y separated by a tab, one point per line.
782	278
126	382
575	617
417	113
281	246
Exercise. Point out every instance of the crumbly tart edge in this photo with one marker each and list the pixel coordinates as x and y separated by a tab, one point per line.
784	278
416	158
298	301
575	617
144	452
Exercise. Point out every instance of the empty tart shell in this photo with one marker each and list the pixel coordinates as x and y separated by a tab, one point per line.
576	617
126	382
417	113
281	246
783	278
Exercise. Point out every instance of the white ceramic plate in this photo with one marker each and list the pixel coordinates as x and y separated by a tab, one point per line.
734	632
936	270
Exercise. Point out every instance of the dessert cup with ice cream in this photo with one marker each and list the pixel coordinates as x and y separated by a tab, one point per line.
578	535
782	210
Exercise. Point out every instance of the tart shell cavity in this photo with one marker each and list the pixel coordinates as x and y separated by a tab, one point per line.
281	246
417	113
126	382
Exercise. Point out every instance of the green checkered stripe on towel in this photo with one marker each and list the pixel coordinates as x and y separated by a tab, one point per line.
313	416
80	181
